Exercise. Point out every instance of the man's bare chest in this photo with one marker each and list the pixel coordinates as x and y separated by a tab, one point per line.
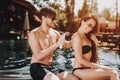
46	41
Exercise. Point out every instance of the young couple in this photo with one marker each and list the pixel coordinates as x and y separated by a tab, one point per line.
44	40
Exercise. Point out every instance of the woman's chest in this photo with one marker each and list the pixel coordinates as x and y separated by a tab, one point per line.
87	56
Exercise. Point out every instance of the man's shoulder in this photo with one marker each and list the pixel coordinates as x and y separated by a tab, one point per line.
34	30
54	31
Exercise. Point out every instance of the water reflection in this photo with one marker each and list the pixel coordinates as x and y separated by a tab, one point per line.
14	63
13	54
64	59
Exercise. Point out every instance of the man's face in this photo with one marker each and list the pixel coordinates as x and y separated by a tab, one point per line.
50	22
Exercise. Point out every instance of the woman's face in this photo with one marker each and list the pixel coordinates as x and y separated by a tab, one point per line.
88	25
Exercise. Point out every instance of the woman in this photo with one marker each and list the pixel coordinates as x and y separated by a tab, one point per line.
84	44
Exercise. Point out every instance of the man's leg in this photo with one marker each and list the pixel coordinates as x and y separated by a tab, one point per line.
38	71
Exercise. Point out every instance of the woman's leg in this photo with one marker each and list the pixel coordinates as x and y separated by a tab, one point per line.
115	75
51	76
96	74
67	76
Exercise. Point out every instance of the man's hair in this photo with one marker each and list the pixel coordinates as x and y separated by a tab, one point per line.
47	12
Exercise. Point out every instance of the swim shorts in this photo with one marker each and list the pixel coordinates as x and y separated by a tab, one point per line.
39	70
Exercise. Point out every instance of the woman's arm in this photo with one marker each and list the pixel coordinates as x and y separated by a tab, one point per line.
77	47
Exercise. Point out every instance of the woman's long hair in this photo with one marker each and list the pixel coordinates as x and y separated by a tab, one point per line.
94	57
87	17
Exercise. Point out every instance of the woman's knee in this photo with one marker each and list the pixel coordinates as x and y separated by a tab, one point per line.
73	77
114	73
68	76
51	76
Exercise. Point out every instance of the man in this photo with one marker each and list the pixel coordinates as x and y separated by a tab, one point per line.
43	41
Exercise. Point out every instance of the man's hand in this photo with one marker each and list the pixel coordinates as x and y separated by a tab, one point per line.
61	40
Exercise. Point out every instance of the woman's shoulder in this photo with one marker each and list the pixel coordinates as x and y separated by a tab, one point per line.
76	37
75	34
94	38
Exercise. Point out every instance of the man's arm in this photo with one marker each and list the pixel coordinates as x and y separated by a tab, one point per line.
37	51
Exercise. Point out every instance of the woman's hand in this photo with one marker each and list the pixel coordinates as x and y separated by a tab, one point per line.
105	68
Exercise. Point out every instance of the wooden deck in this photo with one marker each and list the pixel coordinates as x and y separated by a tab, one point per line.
16	74
109	41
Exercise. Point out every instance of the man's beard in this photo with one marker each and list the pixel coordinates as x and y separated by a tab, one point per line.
50	26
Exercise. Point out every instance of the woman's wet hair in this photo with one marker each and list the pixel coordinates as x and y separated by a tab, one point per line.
94	57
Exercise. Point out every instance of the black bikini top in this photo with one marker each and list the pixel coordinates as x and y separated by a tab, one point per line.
86	49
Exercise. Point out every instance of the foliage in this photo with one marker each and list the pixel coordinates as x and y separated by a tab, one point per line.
61	17
94	8
84	10
65	18
107	14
